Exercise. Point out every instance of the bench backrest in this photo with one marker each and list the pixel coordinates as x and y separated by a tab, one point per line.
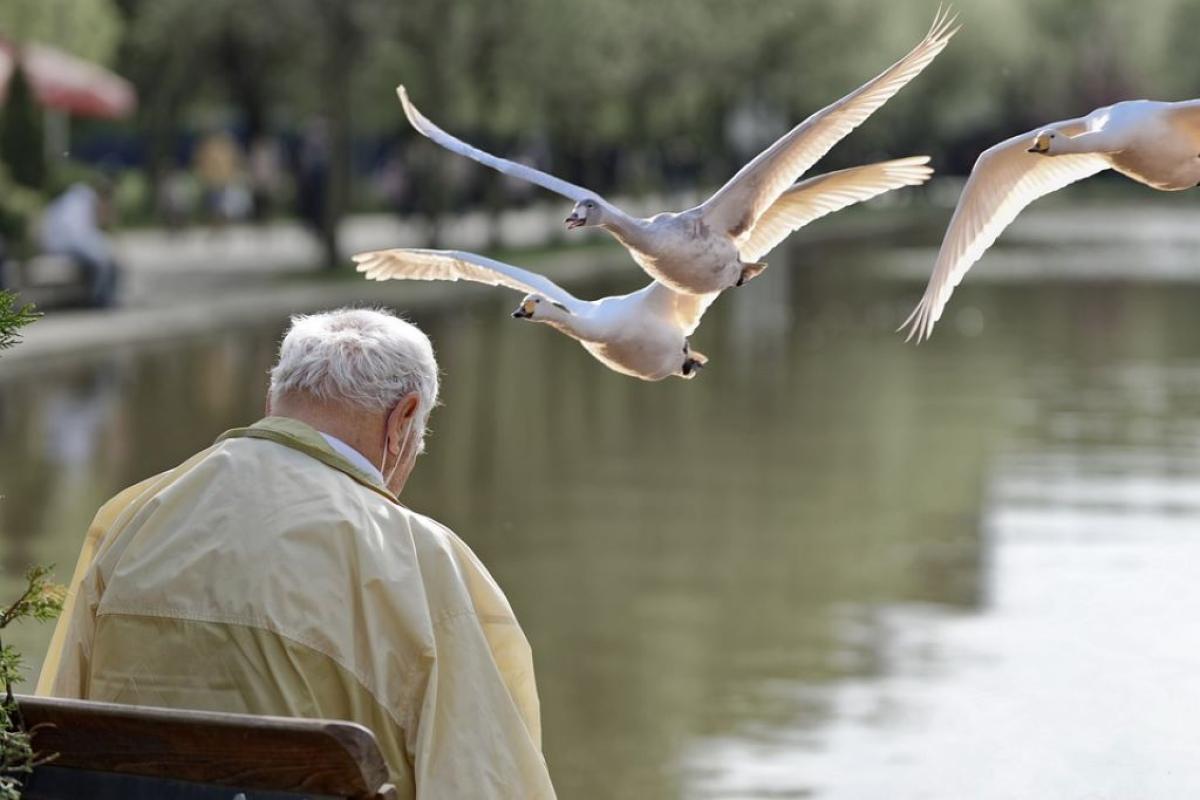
241	752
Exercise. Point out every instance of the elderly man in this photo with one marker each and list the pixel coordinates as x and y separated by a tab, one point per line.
277	573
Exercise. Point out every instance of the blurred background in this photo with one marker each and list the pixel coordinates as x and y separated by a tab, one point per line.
285	108
835	565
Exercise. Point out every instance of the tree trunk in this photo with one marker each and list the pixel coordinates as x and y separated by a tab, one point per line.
342	43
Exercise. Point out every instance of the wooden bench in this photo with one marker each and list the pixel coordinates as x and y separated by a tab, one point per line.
48	281
133	752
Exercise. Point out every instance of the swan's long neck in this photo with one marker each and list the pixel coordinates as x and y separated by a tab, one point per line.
629	231
1105	141
578	326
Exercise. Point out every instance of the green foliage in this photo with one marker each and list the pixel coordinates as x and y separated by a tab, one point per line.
90	29
19	207
66	173
13	318
22	143
17	757
41	601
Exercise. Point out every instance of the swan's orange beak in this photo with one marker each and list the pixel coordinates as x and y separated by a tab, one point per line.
574	221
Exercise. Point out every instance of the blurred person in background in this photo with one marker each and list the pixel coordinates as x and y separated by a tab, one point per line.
218	163
278	573
391	183
73	226
178	198
266	176
312	173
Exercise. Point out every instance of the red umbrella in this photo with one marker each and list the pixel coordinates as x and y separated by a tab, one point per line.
60	80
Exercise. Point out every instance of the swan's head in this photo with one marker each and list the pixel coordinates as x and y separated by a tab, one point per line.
586	212
539	309
1043	142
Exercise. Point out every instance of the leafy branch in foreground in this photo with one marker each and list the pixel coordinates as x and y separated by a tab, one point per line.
41	601
13	318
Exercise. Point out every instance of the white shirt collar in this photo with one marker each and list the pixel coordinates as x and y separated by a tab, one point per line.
354	457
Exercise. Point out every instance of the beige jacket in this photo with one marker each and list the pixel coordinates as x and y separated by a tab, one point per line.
268	575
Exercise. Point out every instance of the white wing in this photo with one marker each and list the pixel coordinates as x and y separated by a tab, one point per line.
455	265
1005	179
739	203
525	173
825	194
683	308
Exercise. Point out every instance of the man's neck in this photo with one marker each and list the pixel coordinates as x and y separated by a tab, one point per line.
353	456
352	426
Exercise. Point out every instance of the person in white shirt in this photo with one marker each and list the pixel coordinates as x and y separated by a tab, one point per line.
72	226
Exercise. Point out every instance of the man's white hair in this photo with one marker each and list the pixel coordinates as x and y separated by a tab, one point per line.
367	358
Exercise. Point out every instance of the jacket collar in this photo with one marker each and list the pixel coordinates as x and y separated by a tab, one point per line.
308	440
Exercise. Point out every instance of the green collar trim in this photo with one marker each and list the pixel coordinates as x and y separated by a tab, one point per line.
308	440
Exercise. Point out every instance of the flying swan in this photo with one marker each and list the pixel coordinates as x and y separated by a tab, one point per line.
720	243
643	334
1154	143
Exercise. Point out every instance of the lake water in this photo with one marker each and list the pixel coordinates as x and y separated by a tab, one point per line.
833	566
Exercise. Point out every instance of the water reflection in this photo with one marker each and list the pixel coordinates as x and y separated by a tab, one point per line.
833	566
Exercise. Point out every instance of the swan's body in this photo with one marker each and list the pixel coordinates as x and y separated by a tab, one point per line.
643	334
718	244
681	250
1154	143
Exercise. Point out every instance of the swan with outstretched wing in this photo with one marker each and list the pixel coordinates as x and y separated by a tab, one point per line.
1151	142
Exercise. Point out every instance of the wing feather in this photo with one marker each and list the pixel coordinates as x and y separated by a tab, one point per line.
456	265
738	204
455	145
814	198
1005	179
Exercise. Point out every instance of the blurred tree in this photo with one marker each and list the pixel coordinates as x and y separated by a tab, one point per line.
22	147
19	207
90	29
172	72
625	95
341	31
275	66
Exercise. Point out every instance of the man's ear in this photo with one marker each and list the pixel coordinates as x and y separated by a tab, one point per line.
401	415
